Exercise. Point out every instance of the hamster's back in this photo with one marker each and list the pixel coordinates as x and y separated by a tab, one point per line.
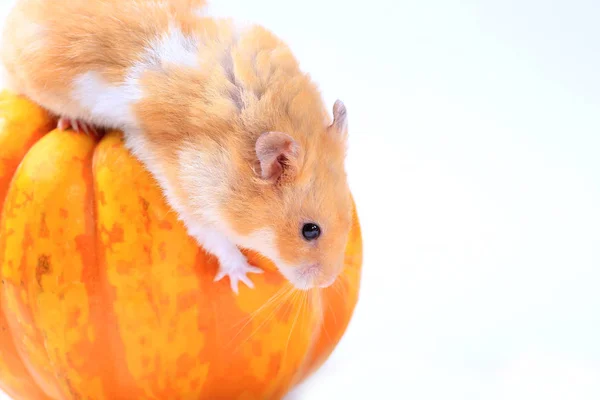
47	43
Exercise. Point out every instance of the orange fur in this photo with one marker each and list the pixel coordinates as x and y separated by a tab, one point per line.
247	84
47	43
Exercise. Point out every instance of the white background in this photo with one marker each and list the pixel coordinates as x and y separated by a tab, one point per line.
474	160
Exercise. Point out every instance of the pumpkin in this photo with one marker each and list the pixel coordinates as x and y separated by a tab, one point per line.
105	296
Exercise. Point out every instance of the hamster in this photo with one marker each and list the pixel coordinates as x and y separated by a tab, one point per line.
235	134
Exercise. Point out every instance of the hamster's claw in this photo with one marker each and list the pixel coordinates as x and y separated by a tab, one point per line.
65	123
238	272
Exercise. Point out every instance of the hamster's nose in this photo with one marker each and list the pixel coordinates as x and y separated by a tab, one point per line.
313	269
314	275
310	275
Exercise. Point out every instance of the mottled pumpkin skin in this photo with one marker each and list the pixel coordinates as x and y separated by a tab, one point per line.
105	296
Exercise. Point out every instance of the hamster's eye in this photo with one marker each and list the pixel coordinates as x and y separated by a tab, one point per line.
311	231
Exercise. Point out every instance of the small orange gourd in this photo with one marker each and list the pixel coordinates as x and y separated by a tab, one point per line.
105	296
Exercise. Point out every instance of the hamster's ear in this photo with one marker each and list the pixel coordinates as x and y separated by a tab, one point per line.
340	118
278	154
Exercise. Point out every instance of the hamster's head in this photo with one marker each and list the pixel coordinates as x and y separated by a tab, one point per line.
301	212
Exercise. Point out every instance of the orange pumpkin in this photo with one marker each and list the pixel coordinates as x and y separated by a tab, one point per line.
105	296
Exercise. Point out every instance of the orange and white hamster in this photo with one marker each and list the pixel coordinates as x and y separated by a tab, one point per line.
236	135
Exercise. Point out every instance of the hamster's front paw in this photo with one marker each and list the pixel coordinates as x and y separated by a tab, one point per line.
65	123
237	269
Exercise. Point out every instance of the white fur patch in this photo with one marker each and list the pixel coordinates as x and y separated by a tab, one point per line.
110	105
173	48
218	244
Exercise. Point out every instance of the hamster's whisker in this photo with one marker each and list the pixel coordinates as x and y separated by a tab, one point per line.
332	311
305	317
316	302
348	283
283	299
320	300
305	305
279	293
301	294
283	292
337	286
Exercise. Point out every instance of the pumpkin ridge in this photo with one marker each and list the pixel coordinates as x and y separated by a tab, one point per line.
91	275
119	374
18	116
